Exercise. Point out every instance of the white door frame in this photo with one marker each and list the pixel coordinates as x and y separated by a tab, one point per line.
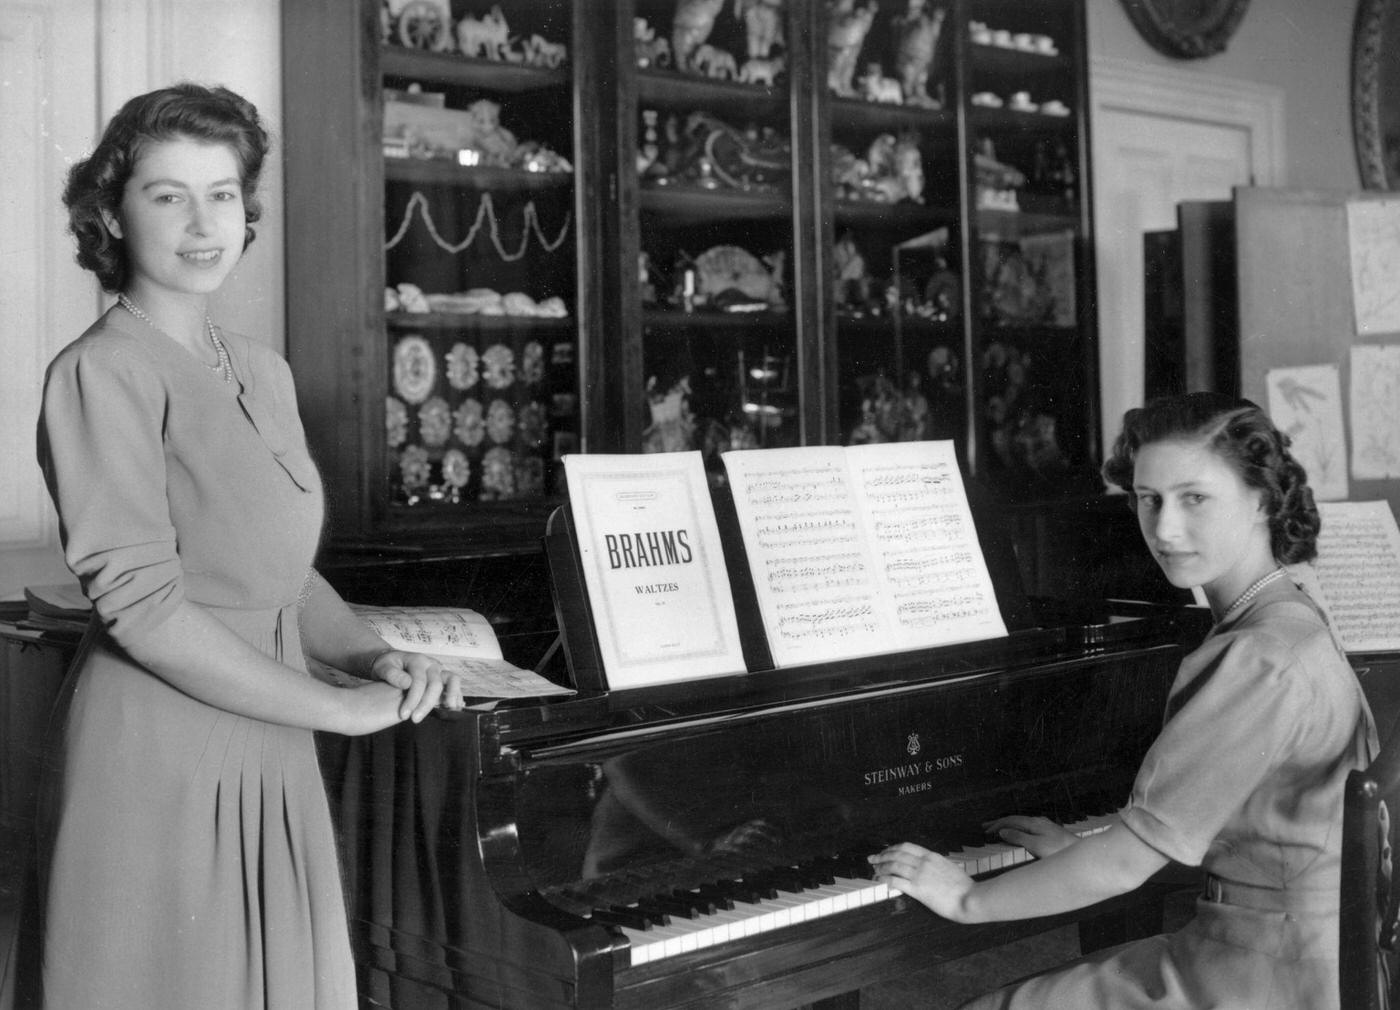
1126	87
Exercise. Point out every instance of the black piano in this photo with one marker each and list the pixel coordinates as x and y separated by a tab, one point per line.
703	844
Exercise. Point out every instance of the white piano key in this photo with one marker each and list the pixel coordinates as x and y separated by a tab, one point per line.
791	908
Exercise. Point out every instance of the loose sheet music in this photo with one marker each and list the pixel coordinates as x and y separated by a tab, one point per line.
654	567
1356	576
861	550
464	644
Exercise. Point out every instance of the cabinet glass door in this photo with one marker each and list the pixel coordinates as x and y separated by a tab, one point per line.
480	256
1036	397
713	177
895	183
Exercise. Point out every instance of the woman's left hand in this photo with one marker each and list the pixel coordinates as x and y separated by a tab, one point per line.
926	877
420	678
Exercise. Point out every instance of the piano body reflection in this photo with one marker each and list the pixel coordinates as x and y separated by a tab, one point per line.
703	844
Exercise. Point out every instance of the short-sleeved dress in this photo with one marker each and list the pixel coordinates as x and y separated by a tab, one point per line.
1263	723
187	857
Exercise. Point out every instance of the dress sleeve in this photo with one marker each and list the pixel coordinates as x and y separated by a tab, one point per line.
1227	729
101	448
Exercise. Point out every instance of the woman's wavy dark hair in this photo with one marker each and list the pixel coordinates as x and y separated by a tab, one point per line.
1242	435
96	184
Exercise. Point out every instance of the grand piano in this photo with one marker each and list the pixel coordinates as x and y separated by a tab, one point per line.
703	844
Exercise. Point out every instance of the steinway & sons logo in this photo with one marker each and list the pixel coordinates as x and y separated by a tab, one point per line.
913	776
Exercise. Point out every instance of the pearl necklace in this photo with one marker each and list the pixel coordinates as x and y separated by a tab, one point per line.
224	367
1251	592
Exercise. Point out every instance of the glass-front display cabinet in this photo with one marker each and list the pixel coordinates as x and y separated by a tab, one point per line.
523	228
716	198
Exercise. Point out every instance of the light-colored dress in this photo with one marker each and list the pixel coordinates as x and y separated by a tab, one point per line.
187	853
1264	721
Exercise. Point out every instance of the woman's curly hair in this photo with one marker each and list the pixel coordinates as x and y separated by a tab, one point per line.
1241	434
97	183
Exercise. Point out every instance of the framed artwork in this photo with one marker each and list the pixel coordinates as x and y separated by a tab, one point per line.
1186	29
1375	92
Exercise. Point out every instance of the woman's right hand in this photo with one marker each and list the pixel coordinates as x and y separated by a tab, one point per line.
1039	836
368	708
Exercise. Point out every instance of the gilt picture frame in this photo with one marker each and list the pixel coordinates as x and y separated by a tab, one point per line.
1186	29
1375	93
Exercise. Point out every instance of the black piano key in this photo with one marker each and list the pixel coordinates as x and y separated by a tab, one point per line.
667	904
751	891
630	916
718	896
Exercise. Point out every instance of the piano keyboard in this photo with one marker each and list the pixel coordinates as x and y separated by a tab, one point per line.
707	916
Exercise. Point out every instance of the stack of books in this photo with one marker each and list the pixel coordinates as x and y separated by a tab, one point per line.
47	613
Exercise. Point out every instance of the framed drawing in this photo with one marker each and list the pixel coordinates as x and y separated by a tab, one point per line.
1186	29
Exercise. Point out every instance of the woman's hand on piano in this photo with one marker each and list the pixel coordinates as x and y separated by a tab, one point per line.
926	877
418	676
1039	836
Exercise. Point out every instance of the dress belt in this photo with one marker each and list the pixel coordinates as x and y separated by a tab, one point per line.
1269	899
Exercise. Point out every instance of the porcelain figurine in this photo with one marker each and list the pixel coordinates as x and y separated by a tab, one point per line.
763	25
845	36
917	30
690	28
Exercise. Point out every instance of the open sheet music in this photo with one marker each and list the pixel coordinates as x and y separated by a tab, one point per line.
861	550
654	567
464	644
1356	575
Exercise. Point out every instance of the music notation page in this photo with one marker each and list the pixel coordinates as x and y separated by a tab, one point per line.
1356	576
654	567
861	550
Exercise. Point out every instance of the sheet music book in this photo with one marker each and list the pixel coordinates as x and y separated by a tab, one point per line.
654	568
861	550
1356	575
463	642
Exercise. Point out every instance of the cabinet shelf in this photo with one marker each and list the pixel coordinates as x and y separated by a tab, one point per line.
672	320
914	218
684	203
853	113
475	322
988	118
487	75
671	90
435	171
1014	224
1010	62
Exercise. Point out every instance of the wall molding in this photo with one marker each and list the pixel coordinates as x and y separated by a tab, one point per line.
1122	85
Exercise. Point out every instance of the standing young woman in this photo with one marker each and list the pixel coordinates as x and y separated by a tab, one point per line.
1263	723
186	852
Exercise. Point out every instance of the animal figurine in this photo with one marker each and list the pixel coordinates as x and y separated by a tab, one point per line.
496	143
761	71
896	169
763	25
650	50
713	62
846	34
852	286
672	427
917	31
485	36
878	88
690	27
540	52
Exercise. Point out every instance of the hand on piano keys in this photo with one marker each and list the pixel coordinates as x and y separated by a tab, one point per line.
942	880
754	902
